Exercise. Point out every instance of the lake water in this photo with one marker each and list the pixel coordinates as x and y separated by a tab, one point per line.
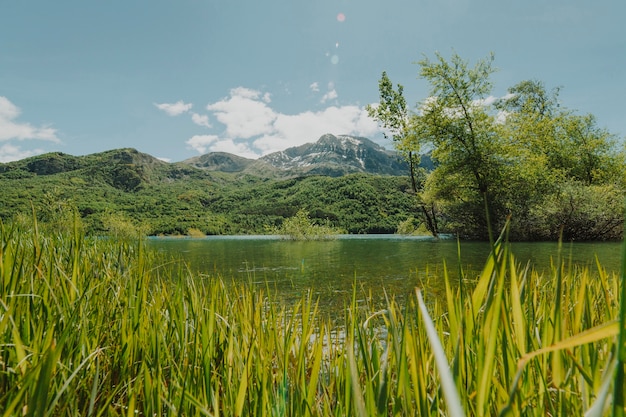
394	264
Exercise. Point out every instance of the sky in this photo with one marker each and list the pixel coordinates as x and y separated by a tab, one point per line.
176	79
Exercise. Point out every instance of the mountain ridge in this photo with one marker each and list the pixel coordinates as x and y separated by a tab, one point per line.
127	188
128	168
331	155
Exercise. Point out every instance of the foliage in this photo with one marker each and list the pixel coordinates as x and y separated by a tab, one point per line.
578	212
393	115
193	232
103	327
412	226
120	226
300	227
523	156
172	199
407	227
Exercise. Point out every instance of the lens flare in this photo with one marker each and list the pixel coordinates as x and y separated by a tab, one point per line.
341	17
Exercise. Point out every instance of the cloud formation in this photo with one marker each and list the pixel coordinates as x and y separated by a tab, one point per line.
330	95
9	152
245	113
174	109
11	129
202	143
200	119
252	128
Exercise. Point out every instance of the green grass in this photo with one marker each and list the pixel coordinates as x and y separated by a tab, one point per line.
100	327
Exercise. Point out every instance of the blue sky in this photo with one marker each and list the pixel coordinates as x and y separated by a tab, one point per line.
180	78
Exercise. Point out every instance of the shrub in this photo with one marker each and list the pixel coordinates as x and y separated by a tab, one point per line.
301	227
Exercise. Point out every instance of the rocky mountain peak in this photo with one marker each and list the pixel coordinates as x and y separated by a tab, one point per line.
336	155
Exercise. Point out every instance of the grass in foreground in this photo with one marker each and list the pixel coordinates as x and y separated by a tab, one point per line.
99	328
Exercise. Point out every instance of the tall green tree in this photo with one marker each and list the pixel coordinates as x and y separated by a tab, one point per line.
392	113
527	123
570	179
456	123
523	156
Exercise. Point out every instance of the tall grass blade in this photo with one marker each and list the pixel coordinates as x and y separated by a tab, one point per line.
451	395
38	405
599	332
69	380
517	310
599	406
490	323
94	388
357	393
594	334
315	371
619	390
558	372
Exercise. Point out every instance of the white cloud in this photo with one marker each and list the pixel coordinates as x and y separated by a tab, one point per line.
315	87
174	109
245	93
9	152
234	147
486	102
245	113
200	119
211	143
330	95
202	143
251	128
306	127
11	129
8	110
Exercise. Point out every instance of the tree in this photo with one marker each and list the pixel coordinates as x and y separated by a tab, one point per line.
530	97
393	115
571	168
592	156
301	227
523	156
572	144
455	123
528	114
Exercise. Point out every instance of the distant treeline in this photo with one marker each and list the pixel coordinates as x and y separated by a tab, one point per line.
113	198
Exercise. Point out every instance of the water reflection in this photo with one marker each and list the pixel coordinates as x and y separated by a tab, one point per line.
380	265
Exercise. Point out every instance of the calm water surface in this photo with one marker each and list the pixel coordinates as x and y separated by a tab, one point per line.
376	263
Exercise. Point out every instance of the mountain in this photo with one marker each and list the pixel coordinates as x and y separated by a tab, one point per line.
219	161
129	170
331	155
124	189
215	193
125	169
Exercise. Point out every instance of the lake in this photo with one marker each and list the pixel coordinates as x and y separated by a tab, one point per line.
394	264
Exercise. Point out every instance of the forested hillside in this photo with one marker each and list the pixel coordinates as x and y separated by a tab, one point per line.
124	189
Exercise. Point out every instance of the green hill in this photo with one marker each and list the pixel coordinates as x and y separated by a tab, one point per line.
172	198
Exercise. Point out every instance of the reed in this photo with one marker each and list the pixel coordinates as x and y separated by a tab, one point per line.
102	327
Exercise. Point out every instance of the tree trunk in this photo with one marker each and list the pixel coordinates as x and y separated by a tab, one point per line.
431	221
